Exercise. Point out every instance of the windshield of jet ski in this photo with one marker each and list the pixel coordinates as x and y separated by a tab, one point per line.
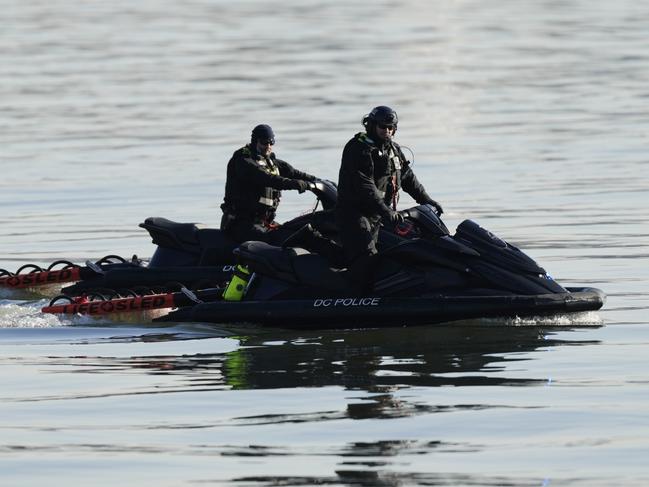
427	220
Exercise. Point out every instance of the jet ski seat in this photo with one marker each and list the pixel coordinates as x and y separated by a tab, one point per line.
269	259
167	233
292	264
213	246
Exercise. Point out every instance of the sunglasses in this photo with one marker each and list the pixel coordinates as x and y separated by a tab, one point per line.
386	127
267	142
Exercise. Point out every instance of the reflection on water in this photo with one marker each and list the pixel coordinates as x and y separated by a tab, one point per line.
377	363
377	360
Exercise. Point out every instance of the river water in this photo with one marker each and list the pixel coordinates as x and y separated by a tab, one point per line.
529	117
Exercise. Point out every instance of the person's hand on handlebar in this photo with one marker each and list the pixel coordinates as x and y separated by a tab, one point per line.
301	185
396	218
438	208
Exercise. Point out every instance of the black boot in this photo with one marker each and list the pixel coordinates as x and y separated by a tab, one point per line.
309	238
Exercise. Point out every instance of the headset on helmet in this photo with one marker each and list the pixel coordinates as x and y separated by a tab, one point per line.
381	115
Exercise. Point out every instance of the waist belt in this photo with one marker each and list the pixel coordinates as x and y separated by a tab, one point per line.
263	217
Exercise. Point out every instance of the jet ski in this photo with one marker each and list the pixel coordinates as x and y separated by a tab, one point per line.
424	275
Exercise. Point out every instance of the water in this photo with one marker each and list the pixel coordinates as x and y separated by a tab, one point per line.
528	117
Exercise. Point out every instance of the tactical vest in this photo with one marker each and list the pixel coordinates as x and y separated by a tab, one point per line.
391	195
269	197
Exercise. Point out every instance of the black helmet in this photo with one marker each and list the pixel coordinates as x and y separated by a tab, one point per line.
381	115
262	132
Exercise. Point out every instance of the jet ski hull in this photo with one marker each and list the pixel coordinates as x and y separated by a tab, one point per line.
347	312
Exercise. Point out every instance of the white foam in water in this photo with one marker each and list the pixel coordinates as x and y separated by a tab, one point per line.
25	314
589	318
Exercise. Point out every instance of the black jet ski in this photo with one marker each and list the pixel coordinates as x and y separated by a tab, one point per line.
190	255
426	276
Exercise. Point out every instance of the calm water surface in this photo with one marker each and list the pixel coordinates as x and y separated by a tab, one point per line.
529	117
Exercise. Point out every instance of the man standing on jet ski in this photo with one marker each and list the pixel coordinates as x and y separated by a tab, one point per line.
255	178
372	171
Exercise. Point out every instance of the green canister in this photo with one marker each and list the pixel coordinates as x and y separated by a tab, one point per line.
237	285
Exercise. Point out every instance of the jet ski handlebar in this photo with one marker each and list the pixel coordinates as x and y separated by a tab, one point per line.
326	191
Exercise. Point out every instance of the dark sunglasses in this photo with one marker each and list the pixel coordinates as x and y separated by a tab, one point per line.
386	127
267	142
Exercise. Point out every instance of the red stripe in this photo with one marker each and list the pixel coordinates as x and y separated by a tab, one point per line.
41	278
122	305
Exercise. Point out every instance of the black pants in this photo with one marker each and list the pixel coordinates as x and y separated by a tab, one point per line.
358	235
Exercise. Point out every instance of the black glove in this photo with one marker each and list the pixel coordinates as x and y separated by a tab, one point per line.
396	217
300	185
436	205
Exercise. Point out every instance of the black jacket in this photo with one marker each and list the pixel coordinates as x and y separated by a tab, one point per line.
370	177
254	183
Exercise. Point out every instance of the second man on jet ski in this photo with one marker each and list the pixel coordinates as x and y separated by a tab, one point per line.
372	171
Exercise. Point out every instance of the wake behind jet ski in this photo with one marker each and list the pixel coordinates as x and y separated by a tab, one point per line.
427	276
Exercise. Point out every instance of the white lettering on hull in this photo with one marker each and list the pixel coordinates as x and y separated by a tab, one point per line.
346	302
